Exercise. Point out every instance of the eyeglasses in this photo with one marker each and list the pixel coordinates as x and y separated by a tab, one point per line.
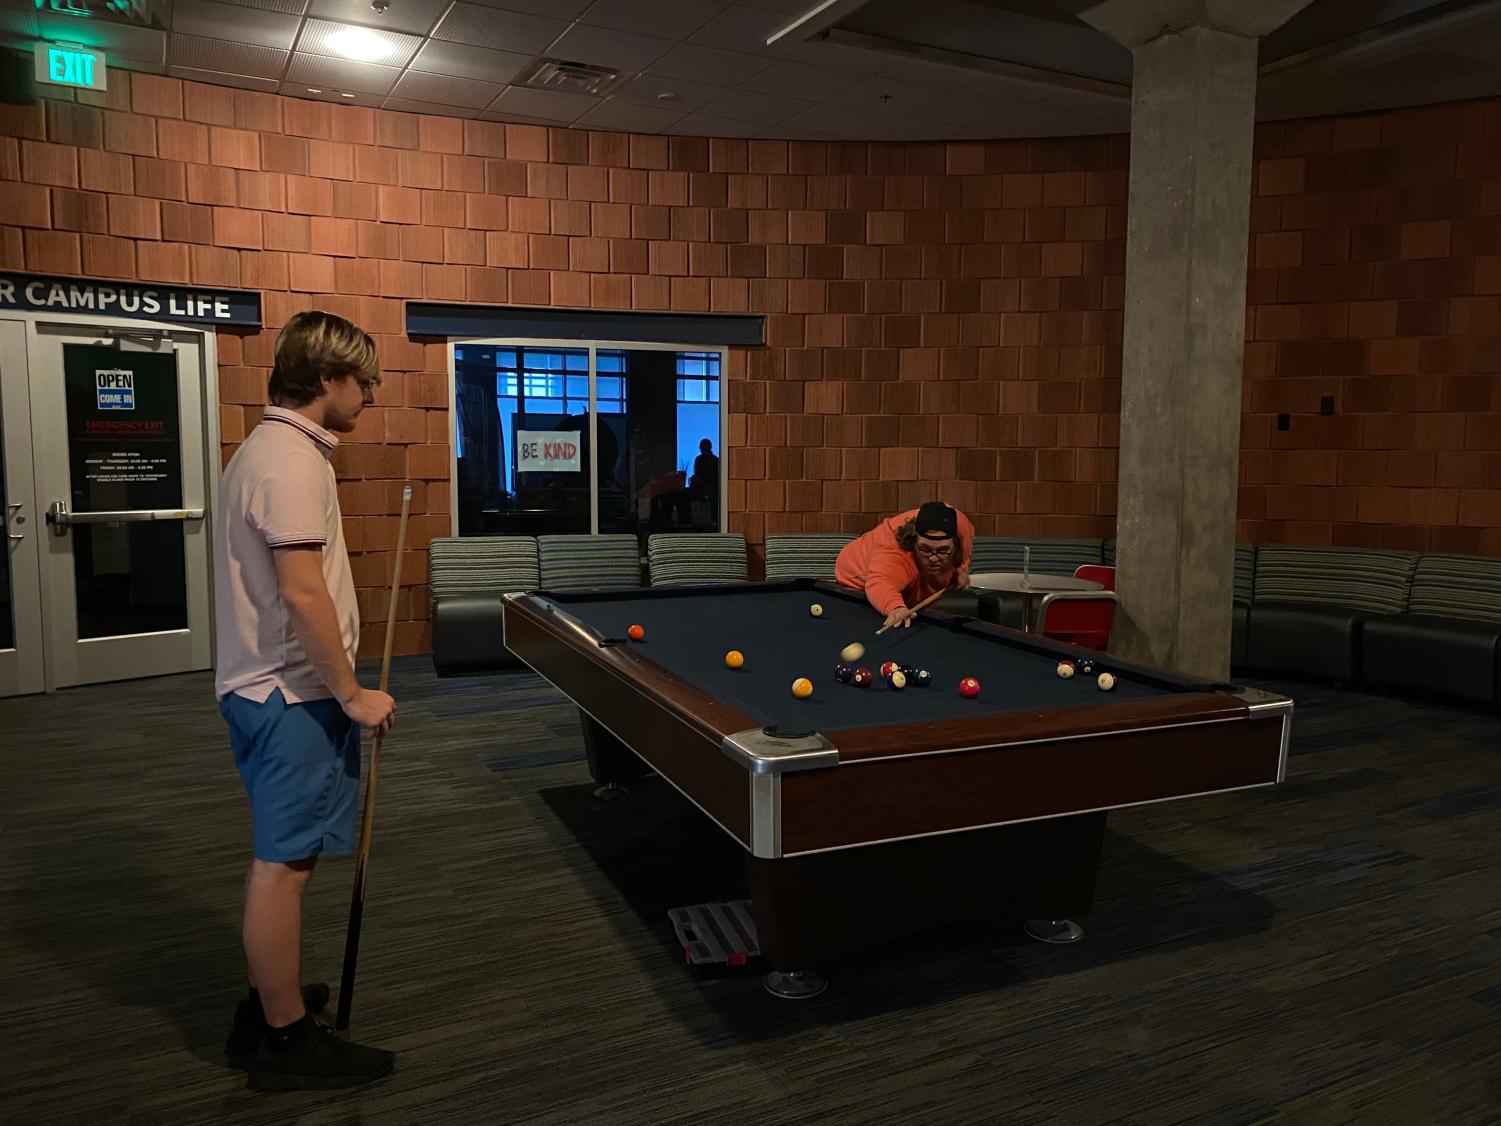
934	552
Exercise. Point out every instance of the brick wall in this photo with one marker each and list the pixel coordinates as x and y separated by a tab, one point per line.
1376	279
940	317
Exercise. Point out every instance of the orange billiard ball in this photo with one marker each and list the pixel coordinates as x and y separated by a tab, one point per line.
734	659
636	633
802	688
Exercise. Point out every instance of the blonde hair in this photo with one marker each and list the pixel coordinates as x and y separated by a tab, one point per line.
316	345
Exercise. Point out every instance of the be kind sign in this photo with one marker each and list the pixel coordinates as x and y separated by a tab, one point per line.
547	451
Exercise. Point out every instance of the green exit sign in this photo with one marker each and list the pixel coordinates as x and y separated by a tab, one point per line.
65	65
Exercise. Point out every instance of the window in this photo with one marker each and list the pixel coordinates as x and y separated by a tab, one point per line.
530	460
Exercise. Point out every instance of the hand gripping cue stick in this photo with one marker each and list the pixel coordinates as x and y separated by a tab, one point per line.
934	597
357	902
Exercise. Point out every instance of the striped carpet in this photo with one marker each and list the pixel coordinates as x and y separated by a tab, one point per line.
1326	952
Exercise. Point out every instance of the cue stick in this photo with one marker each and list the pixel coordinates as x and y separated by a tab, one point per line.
934	597
367	823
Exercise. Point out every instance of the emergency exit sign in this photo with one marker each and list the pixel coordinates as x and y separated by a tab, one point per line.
59	64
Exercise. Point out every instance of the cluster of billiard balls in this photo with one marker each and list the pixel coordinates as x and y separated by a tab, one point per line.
1085	667
896	676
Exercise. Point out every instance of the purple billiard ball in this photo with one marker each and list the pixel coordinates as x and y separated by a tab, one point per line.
844	673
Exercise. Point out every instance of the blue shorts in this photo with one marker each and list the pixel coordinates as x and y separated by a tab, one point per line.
301	767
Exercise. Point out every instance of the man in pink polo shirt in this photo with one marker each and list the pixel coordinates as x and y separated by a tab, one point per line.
288	627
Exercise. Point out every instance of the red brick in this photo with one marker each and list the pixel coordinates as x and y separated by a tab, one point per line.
234	148
134	217
42	163
154	95
57	252
233	227
127	132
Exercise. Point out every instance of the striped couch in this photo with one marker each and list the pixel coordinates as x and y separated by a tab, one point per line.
468	578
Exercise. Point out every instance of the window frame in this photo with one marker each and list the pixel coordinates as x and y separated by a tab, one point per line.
593	347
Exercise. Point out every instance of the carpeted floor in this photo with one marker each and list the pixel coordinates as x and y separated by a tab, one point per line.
1328	951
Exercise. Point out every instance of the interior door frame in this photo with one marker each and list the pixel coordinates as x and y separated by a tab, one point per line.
23	669
208	361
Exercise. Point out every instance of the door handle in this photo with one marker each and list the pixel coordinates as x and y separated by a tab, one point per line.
61	519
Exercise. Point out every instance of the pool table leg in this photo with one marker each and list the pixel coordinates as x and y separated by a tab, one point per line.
813	910
611	762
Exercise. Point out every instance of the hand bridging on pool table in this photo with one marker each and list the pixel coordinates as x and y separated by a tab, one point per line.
371	708
901	616
961	580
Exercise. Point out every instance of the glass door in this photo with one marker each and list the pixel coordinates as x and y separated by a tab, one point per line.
21	667
118	418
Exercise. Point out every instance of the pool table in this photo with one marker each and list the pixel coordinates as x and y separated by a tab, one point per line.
870	813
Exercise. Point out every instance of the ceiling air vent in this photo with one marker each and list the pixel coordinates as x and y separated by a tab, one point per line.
568	78
144	12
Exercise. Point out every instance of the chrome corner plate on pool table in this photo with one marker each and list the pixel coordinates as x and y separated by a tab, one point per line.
917	806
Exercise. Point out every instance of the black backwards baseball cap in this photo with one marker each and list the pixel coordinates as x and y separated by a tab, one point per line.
937	520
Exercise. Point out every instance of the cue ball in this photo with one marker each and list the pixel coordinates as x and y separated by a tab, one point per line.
1065	669
843	672
734	659
921	678
636	633
969	688
862	677
816	610
852	652
802	688
897	679
1105	681
887	668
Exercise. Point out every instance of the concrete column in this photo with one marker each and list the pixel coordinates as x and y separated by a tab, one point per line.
1192	117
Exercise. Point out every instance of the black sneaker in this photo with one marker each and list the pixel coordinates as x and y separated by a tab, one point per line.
250	1025
314	1058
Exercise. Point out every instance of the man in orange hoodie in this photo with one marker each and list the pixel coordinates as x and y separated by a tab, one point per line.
906	558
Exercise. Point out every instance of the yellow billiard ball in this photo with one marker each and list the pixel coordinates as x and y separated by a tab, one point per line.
802	688
734	659
852	652
816	610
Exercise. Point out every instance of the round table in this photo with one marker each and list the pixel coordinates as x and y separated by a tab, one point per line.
1031	588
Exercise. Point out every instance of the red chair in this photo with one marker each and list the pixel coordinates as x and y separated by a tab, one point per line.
1105	576
1083	617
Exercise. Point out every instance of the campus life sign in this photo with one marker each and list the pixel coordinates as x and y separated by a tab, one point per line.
41	293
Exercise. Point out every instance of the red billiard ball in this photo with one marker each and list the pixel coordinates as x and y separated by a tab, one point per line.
862	677
636	633
969	688
886	669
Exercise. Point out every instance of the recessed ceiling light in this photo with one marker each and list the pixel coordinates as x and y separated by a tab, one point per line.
358	43
346	94
668	96
313	90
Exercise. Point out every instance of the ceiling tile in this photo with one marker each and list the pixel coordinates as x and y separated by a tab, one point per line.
742	28
729	68
670	19
550	105
787	133
320	37
444	89
821	52
837	120
288	7
557	9
745	105
246	59
124	41
885	95
219	78
341	74
334	96
786	77
464	61
645	90
234	24
516	118
927	73
706	125
498	29
907	129
412	105
600	46
415	16
626	117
